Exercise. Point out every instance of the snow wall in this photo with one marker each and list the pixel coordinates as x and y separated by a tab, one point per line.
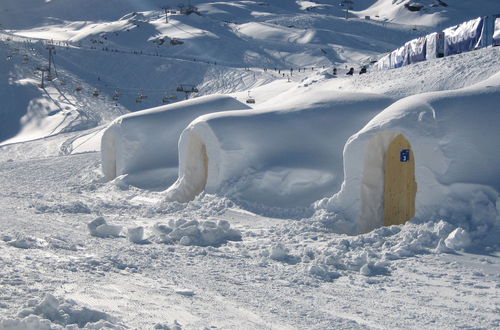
455	141
143	145
272	157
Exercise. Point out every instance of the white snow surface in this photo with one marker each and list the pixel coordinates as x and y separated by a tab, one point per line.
79	251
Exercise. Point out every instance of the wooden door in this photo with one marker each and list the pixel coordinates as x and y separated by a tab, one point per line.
400	187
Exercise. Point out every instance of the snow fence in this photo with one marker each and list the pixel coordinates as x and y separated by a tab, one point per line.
143	145
455	140
286	154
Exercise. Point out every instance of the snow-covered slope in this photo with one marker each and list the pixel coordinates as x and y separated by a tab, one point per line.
432	13
229	46
79	251
238	44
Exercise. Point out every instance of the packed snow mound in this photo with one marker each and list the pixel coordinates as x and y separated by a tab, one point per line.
286	154
56	313
100	228
194	232
141	147
452	135
375	253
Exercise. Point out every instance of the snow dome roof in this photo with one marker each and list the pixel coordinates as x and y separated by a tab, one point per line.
455	139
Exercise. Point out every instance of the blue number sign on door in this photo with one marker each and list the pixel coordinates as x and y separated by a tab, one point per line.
404	155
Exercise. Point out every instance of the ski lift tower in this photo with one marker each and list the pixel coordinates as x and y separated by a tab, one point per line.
188	89
166	9
52	51
347	4
42	70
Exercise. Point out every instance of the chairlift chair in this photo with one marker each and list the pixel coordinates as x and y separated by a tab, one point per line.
140	97
96	92
250	99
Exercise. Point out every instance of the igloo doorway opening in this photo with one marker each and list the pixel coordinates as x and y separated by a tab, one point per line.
388	188
193	169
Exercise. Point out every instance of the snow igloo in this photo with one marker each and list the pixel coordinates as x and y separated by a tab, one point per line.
430	156
285	154
141	147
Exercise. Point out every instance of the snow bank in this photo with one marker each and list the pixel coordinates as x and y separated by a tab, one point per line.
454	137
194	232
285	154
374	253
143	145
53	313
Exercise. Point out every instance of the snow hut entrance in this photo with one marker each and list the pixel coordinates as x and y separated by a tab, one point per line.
197	166
400	187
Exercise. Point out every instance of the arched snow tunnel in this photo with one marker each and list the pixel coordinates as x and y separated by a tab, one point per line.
194	163
446	139
142	147
196	167
285	157
389	187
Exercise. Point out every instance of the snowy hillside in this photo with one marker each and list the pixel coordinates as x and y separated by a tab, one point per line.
267	200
